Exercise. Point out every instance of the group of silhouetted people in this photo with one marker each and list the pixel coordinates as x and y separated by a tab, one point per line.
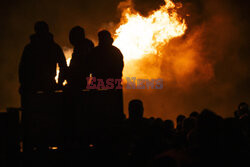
202	139
85	114
37	70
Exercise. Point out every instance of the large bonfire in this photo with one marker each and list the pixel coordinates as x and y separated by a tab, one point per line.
138	36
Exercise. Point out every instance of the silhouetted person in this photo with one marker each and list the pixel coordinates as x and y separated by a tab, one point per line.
107	63
236	147
37	69
242	111
179	121
79	68
188	125
107	59
169	125
207	138
139	133
135	110
194	115
243	114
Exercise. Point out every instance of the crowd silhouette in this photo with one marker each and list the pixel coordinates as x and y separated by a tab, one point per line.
81	127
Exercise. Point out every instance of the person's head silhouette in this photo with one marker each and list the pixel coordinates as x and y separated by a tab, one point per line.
169	124
135	109
76	35
194	114
105	38
243	106
242	111
180	118
41	27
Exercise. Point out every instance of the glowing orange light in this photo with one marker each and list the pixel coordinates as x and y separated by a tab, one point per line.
138	36
67	53
53	148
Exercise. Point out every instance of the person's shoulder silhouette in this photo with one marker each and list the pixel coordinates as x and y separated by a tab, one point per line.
80	62
37	69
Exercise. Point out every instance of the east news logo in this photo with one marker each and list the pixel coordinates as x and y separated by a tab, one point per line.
131	83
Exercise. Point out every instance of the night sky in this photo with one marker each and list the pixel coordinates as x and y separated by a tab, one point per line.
222	40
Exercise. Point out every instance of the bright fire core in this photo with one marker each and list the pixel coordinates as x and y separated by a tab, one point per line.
138	36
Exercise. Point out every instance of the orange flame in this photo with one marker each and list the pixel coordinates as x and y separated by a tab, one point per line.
67	53
138	36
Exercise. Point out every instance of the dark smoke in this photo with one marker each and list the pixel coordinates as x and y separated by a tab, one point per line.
218	34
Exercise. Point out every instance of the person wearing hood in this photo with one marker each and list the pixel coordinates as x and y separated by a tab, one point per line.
107	59
37	68
79	65
107	65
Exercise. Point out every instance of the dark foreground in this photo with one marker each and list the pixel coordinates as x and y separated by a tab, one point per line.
50	132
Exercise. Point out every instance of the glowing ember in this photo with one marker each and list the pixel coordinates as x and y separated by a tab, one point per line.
53	148
139	36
